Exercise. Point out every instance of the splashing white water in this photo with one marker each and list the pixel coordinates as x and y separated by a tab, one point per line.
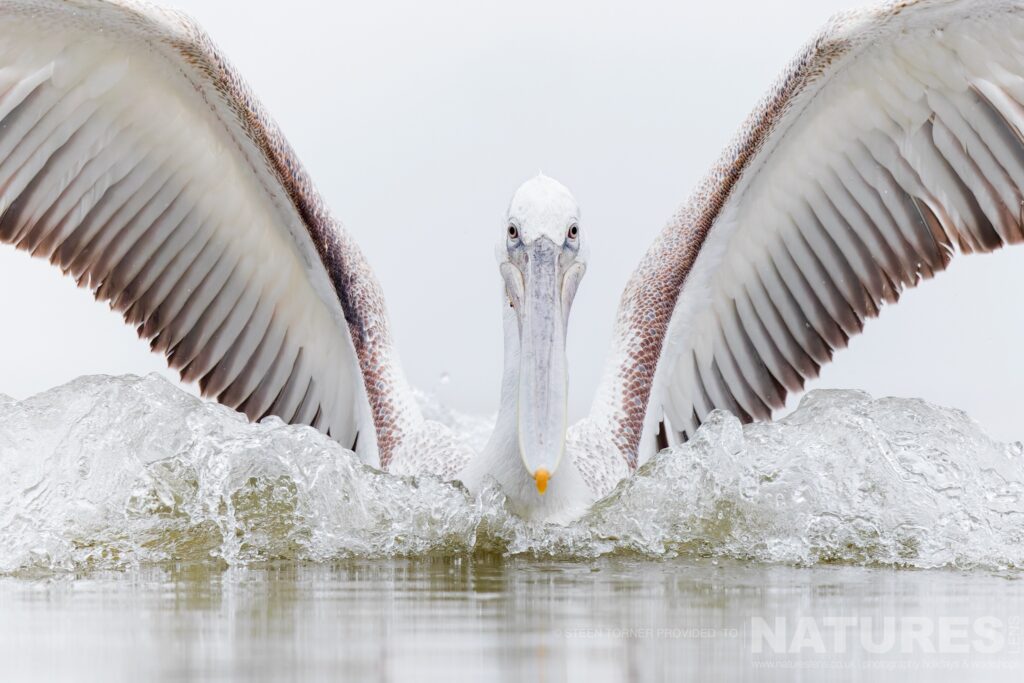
117	471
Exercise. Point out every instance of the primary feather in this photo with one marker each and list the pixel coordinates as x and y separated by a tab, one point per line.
893	141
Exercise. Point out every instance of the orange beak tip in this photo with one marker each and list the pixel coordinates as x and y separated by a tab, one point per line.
541	476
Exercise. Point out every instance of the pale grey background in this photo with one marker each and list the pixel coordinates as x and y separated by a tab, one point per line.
419	119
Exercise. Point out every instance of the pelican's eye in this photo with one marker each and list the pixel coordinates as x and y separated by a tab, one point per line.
513	233
574	231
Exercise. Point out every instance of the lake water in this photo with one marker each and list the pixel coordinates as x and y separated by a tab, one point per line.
147	535
494	618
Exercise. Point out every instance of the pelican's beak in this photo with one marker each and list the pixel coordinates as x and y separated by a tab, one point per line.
546	293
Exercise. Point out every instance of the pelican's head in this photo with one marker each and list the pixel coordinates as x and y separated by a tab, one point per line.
542	260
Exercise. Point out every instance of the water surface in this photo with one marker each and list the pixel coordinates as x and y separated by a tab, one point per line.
148	535
494	618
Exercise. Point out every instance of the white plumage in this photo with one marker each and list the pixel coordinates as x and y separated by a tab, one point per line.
133	157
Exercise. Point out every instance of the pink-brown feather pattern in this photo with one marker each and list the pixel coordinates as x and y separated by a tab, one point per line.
357	289
650	297
354	282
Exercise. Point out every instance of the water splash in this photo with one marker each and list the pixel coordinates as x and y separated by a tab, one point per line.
120	471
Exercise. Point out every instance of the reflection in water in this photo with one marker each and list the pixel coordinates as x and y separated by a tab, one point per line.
282	542
491	618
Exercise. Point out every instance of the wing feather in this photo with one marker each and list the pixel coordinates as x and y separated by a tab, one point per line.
134	158
895	139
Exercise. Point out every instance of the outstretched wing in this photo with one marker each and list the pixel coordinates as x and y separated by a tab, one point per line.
895	139
133	157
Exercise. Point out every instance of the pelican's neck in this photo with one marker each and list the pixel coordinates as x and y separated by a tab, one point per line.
567	496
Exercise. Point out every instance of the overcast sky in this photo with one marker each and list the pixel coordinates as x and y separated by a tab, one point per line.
419	119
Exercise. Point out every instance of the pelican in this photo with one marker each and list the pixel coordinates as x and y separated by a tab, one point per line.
135	159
